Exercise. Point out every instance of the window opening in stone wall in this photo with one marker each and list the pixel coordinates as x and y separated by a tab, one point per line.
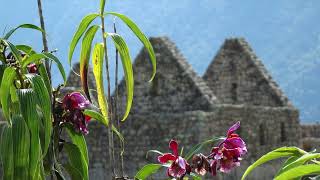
154	90
234	95
262	135
283	132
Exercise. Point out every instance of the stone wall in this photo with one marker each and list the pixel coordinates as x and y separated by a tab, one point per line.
146	131
237	76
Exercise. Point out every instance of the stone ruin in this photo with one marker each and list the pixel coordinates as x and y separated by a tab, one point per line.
179	104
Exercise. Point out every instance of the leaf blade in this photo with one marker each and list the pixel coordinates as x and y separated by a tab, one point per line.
147	171
7	80
28	26
140	35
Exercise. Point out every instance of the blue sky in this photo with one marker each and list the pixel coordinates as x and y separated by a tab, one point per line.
284	34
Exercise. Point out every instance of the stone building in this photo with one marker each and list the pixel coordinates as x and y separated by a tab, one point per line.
179	104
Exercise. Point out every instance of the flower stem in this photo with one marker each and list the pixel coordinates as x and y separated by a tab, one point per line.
110	133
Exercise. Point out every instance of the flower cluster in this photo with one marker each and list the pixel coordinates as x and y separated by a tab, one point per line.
223	158
73	105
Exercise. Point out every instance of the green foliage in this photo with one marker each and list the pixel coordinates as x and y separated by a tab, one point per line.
28	26
298	164
85	56
6	152
127	68
144	40
7	80
86	21
147	171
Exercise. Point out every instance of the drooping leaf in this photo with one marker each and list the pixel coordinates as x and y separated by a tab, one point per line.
123	49
147	171
26	49
7	80
99	117
6	152
15	52
144	40
27	99
288	161
85	56
44	101
29	26
60	67
97	61
300	161
275	154
195	149
86	21
153	151
79	140
300	171
76	160
21	148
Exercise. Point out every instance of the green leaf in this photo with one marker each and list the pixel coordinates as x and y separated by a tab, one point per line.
6	152
44	75
27	100
299	171
21	141
147	171
123	49
275	154
85	56
44	101
195	149
97	61
300	161
99	117
288	161
76	160
15	52
73	172
2	68
195	176
60	67
79	140
7	80
26	49
153	151
86	21
144	40
29	26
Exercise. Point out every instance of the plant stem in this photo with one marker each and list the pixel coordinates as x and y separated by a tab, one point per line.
110	133
44	38
121	146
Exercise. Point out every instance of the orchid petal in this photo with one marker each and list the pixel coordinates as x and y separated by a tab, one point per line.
173	145
166	157
233	128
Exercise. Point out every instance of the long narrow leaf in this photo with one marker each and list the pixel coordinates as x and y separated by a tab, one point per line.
26	49
299	171
97	61
29	26
147	171
43	100
140	35
275	154
123	49
6	152
76	160
86	21
27	100
60	67
7	80
85	56
79	140
15	52
21	148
